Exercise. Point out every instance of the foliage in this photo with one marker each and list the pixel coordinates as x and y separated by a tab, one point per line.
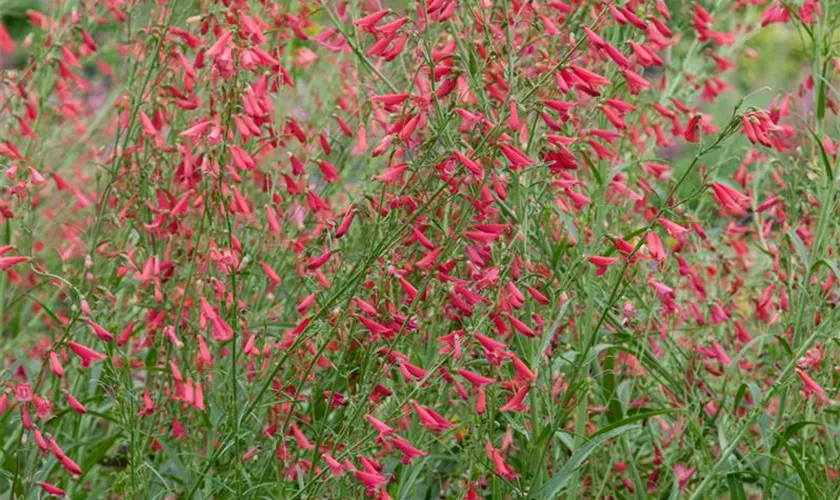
419	249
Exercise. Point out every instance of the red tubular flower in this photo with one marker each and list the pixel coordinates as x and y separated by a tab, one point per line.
430	419
100	332
516	157
635	82
407	449
692	130
55	365
729	199
335	468
602	263
8	262
501	468
475	378
75	405
516	402
777	12
86	354
52	490
810	386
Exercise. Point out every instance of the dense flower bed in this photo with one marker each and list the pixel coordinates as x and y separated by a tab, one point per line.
417	249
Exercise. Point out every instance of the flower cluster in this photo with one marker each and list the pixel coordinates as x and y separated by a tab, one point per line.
455	248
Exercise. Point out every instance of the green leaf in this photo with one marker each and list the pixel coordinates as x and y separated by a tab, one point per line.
549	334
593	169
566	440
831	265
785	345
800	247
821	100
793	428
733	483
824	160
539	443
608	382
747	346
409	481
473	64
46	309
634	417
553	488
751	477
98	453
810	489
790	430
651	363
568	223
174	464
736	488
742	389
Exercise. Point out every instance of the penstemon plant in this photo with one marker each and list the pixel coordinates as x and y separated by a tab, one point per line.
418	249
